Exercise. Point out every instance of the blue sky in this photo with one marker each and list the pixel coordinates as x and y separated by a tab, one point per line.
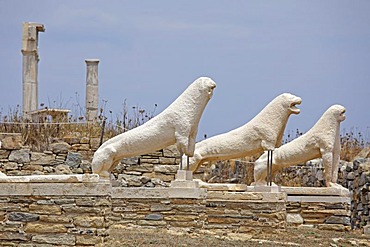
150	51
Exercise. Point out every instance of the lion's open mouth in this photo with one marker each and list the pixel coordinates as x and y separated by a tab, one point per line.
293	106
342	115
210	90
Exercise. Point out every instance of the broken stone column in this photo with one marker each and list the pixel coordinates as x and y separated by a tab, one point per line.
30	66
92	97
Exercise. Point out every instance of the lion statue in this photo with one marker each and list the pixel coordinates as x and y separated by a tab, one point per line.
264	132
322	140
177	124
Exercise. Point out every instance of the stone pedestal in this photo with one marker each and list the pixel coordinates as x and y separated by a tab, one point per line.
266	188
320	207
184	179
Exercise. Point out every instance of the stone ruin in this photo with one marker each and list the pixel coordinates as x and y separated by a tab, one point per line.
30	106
63	196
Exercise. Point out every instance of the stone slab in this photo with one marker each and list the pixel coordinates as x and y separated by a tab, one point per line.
191	193
247	196
73	178
325	199
317	191
184	184
266	188
183	175
54	189
221	186
119	192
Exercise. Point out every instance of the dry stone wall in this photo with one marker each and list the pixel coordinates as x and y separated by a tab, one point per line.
53	214
352	175
73	156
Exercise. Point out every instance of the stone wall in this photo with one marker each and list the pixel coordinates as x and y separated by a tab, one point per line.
352	175
83	214
73	155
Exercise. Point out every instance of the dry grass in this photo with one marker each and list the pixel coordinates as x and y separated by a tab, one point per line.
38	135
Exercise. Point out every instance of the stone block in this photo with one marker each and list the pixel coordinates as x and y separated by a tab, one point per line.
73	159
184	184
33	167
4	154
184	175
162	177
131	180
338	220
56	239
265	188
45	209
81	147
71	209
160	207
55	219
23	216
60	147
45	228
41	158
222	186
10	141
146	167
153	217
294	218
195	193
88	240
171	151
20	156
150	160
167	161
171	169
89	221
11	166
12	236
152	223
62	169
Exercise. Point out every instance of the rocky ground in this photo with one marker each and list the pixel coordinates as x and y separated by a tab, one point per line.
291	237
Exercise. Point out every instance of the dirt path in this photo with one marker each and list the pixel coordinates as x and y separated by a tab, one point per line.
292	237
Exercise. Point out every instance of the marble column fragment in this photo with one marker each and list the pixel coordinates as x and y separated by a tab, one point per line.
30	66
92	96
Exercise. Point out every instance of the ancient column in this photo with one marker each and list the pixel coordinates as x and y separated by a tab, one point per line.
30	66
92	97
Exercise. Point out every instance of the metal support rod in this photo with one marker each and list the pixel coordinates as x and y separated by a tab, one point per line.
268	168
271	167
102	132
181	153
187	160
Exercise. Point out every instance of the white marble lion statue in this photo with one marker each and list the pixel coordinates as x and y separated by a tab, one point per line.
321	141
177	124
264	132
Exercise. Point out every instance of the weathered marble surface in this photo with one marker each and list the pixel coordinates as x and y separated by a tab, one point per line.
264	132
176	124
322	140
73	178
